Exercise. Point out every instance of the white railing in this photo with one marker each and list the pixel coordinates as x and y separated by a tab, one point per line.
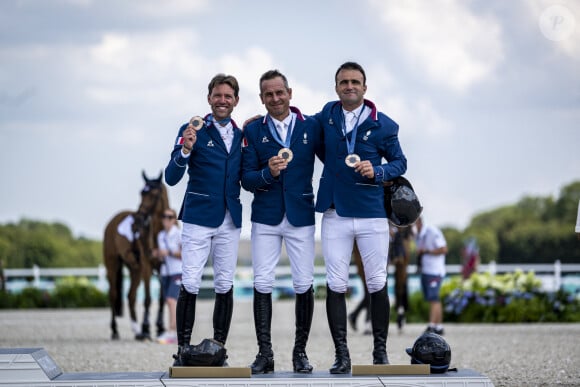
35	274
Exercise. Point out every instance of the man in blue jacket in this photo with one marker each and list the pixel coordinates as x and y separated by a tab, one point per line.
357	138
278	162
210	150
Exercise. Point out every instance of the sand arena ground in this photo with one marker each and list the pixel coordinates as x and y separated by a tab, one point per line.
510	355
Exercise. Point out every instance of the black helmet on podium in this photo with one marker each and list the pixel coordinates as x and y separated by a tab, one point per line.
208	353
401	202
431	348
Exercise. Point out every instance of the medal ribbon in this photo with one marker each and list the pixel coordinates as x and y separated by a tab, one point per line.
350	144
276	135
222	123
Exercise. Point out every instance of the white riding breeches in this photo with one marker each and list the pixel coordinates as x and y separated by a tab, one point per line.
198	242
372	237
266	249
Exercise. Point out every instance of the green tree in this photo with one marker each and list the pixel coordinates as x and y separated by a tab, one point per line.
454	239
31	242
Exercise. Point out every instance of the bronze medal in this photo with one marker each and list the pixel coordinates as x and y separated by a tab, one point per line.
286	154
196	122
352	159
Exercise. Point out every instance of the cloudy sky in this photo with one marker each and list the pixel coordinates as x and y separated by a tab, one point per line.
486	93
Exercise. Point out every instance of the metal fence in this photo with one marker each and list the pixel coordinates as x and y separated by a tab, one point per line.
550	274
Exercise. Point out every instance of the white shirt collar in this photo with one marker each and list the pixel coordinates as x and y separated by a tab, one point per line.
286	121
356	111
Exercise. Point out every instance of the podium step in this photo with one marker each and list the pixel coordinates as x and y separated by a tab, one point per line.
34	366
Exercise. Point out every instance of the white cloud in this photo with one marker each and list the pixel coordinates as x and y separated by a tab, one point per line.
308	100
103	89
168	68
170	7
416	116
146	68
455	47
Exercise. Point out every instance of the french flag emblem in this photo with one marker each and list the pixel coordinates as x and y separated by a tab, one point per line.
180	141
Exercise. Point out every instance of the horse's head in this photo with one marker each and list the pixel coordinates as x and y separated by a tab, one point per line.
154	201
151	195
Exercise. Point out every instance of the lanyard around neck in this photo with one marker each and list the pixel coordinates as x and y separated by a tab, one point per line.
286	142
222	123
350	144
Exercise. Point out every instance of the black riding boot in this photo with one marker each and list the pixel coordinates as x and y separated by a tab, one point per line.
304	310
222	315
185	317
380	309
264	362
336	314
363	304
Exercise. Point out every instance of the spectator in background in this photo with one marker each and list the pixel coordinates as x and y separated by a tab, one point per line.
578	221
169	253
432	247
469	258
2	278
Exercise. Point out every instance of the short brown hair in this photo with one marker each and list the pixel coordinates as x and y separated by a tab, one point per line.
220	79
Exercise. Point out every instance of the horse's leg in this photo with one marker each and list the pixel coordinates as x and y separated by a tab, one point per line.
114	295
145	331
132	297
400	291
160	320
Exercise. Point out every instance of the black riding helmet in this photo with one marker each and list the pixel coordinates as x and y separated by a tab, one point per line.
401	202
208	353
430	348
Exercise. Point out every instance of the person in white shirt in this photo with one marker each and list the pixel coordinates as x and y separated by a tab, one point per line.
578	221
169	242
431	250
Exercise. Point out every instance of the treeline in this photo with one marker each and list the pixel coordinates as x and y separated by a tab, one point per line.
31	242
534	230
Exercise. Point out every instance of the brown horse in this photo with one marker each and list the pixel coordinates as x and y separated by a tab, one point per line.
129	241
399	254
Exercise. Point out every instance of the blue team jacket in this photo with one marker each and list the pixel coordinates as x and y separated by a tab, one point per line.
214	177
352	194
290	193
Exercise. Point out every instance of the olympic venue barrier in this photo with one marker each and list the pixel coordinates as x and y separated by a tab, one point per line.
552	276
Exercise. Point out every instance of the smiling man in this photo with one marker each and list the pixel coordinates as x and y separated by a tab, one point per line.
278	163
357	138
210	149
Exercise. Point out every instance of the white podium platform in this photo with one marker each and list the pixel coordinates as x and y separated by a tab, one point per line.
35	367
